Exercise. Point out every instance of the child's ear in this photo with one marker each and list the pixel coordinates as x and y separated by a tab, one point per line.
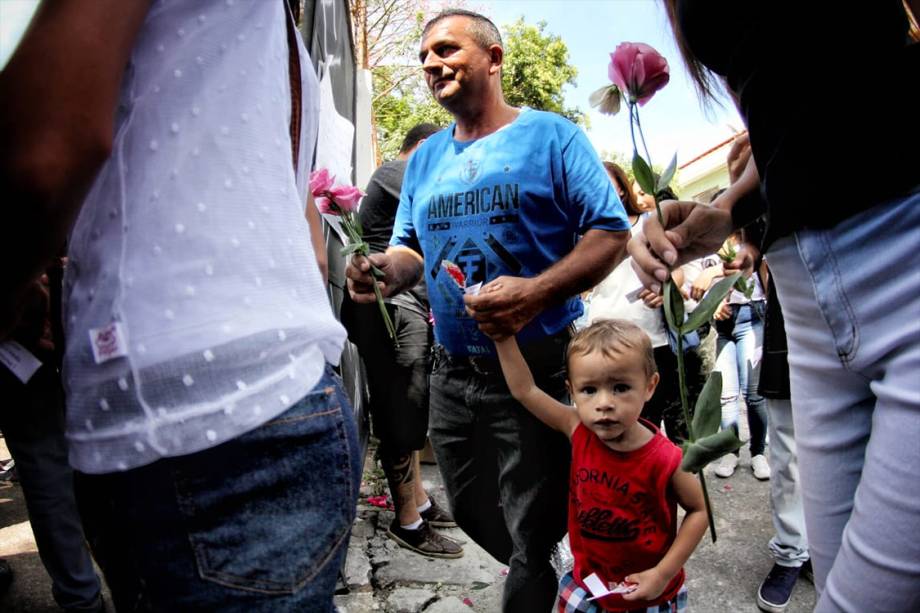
652	384
568	387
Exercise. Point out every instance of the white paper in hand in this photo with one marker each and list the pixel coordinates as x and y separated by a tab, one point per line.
596	586
598	589
473	290
19	360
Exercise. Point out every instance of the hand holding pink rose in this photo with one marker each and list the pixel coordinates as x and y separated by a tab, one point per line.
342	201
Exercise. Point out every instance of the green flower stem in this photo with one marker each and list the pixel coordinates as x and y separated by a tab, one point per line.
685	405
648	156
712	520
350	224
634	119
632	126
391	330
634	123
682	377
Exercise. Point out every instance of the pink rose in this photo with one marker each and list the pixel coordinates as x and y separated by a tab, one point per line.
638	70
346	197
320	181
325	205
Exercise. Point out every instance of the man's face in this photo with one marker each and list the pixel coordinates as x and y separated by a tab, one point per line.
456	67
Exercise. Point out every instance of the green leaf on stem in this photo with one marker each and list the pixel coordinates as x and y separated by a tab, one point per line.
665	179
643	173
745	286
673	306
360	247
710	302
707	449
707	416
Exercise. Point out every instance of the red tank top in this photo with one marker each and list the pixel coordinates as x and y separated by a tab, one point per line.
622	511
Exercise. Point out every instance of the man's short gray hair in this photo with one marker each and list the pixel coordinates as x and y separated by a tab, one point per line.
481	28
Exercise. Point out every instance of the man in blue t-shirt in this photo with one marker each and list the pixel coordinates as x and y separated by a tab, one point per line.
515	199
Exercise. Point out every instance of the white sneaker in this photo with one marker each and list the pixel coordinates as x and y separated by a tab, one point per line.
760	467
727	465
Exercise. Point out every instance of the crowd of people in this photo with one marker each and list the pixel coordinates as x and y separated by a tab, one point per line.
211	459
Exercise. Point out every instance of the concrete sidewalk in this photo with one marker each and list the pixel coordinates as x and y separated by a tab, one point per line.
721	577
381	577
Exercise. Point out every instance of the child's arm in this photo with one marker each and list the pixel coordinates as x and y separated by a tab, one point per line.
652	582
520	382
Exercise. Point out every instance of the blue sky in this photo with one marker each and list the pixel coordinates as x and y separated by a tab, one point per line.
14	17
673	120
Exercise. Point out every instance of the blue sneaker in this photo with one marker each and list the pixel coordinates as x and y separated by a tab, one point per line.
776	590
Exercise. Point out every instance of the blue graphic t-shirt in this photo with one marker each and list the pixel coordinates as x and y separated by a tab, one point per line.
511	203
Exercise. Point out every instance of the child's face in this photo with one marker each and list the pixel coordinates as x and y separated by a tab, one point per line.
609	392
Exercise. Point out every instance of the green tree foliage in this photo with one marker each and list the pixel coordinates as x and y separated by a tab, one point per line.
537	69
407	104
387	35
535	72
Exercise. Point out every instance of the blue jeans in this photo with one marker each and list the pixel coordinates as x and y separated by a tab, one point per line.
259	523
505	472
851	299
739	348
789	544
32	421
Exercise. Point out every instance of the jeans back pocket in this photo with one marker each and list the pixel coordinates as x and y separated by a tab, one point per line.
265	512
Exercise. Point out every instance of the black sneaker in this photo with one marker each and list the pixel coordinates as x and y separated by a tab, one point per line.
425	541
776	590
437	516
807	572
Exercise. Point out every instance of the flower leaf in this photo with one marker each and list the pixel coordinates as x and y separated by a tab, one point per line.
673	306
707	416
745	286
665	179
354	248
707	449
710	302
643	173
727	253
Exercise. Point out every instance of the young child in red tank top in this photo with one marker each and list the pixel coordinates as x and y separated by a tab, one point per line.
626	480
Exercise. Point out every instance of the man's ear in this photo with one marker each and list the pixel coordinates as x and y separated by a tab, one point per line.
496	58
652	384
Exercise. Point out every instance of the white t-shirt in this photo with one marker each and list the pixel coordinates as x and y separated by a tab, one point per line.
610	300
193	239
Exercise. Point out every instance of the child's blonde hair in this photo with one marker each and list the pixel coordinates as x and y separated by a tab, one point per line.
610	336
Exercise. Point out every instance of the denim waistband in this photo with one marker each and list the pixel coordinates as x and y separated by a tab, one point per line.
543	353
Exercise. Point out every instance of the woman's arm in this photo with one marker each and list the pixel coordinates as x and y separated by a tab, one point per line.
520	381
690	497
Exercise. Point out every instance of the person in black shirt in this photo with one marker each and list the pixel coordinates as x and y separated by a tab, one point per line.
398	376
844	261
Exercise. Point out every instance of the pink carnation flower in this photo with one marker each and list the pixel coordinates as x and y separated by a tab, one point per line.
638	70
